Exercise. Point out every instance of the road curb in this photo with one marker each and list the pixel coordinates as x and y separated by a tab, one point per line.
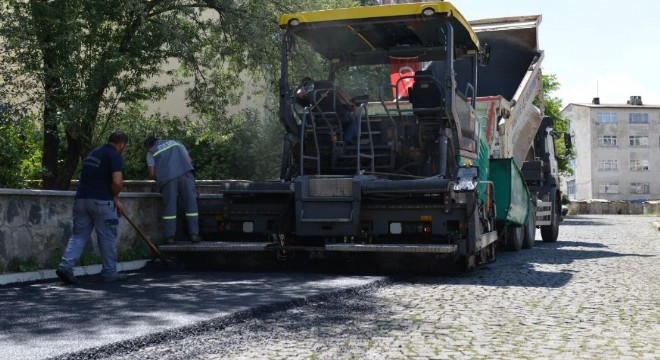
78	271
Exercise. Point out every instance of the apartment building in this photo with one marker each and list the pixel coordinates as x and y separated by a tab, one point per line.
617	151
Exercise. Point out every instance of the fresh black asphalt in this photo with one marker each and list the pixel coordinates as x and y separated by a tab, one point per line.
48	319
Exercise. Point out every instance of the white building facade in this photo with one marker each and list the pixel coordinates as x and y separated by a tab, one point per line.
617	151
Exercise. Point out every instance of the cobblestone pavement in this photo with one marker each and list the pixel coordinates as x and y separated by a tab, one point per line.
595	294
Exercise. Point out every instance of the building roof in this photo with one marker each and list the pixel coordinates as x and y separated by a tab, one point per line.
609	106
614	105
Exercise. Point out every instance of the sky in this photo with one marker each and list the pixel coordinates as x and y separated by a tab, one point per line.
606	48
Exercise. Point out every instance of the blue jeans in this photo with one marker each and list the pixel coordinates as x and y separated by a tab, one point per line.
100	215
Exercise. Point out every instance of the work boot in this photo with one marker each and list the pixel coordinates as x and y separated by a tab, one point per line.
169	240
195	238
66	275
114	277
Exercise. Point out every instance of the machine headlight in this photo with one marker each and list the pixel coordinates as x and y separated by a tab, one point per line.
396	228
248	227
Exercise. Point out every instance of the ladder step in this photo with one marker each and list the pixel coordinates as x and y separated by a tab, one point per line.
352	156
366	147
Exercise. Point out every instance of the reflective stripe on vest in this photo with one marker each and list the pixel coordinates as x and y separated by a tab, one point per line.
166	148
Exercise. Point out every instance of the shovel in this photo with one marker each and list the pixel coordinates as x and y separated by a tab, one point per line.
152	247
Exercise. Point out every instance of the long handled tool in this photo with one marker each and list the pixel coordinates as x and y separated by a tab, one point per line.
152	247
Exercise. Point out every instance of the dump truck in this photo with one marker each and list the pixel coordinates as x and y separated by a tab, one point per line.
411	137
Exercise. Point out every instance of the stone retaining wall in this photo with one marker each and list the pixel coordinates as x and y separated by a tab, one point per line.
614	208
35	225
651	208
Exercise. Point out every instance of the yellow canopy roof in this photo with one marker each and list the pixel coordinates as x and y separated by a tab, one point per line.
372	34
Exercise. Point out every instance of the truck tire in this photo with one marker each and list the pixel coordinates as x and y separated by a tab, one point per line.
530	230
550	233
514	238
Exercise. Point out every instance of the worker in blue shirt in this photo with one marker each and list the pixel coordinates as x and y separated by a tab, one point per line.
95	207
169	163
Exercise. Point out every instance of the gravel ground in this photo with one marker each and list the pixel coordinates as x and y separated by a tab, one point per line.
595	294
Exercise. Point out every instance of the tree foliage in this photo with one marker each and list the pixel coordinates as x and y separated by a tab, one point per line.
19	154
561	125
81	63
209	150
248	148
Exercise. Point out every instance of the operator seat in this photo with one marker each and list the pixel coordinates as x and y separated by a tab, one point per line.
426	97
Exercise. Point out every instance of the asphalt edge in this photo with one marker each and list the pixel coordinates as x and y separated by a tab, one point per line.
125	347
48	274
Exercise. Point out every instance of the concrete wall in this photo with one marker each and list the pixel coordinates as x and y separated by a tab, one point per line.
610	207
652	208
36	224
581	133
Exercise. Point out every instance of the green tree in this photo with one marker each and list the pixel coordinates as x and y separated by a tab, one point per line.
561	125
19	154
247	148
81	62
211	151
258	148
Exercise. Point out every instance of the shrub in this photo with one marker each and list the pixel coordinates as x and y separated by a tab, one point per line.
20	153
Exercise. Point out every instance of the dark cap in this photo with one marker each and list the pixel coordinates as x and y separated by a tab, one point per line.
118	137
149	141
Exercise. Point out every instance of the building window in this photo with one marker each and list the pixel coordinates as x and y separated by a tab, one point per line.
640	188
639	165
608	188
606	118
607	140
639	141
608	165
639	118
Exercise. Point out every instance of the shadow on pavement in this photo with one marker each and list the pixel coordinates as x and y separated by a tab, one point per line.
563	244
566	252
48	318
531	268
579	221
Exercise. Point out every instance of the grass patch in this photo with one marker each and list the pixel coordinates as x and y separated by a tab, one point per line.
138	251
22	265
124	253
